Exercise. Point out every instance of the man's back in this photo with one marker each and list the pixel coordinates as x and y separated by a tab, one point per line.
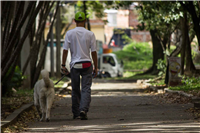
80	40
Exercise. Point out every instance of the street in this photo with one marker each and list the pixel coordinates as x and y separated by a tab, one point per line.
120	107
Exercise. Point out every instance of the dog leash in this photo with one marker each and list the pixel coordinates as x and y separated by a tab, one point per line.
60	79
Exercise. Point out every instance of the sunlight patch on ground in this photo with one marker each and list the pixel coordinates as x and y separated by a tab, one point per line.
138	127
44	128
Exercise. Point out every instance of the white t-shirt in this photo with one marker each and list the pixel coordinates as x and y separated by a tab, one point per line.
80	42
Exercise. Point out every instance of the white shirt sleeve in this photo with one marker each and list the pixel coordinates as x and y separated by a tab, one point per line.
67	42
93	43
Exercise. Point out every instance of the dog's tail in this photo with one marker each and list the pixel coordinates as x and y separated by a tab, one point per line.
45	76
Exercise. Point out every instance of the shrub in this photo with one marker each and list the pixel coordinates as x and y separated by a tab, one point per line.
161	66
136	55
15	82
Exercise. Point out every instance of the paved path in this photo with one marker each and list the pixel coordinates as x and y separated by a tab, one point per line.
118	108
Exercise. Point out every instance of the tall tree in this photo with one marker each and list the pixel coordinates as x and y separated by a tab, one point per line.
153	16
58	37
165	18
43	53
1	31
13	48
12	23
193	8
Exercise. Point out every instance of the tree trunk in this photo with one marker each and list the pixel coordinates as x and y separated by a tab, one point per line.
189	62
87	19
1	31
66	29
34	52
189	6
12	43
21	42
186	47
51	52
42	56
25	50
84	8
88	24
58	45
184	34
195	19
157	52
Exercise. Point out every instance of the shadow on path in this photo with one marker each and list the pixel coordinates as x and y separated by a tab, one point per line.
120	111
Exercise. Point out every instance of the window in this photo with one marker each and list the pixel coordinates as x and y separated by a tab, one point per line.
112	19
109	60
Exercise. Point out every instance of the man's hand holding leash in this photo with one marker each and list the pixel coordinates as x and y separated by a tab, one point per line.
64	70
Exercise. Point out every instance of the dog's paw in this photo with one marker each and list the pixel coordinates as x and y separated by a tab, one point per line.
47	120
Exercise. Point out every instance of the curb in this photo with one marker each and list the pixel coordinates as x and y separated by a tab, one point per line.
163	90
195	99
13	116
178	92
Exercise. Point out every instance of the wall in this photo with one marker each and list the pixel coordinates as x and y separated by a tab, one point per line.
140	36
122	22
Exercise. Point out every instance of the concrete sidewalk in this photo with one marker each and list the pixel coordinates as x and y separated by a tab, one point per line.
120	110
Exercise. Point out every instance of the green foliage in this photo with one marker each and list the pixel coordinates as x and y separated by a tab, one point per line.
126	38
189	83
98	7
157	14
136	56
146	76
92	6
15	82
129	75
161	66
25	92
138	65
163	17
17	78
158	82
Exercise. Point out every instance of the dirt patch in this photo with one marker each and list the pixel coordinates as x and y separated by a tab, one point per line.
5	110
10	104
22	122
173	98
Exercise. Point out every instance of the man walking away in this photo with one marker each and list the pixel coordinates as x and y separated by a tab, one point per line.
80	42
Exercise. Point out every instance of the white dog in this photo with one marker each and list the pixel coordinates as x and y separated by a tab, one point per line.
44	95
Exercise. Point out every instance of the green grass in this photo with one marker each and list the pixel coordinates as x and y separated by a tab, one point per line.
128	75
159	82
24	92
61	83
186	88
189	83
137	65
147	76
136	56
